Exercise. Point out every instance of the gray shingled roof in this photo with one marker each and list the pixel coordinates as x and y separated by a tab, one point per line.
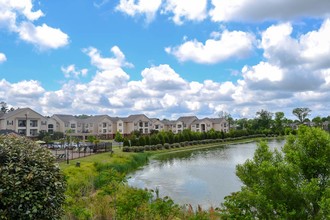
17	111
133	117
187	119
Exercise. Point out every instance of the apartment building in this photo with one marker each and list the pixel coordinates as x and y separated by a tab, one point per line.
206	124
139	122
99	125
24	121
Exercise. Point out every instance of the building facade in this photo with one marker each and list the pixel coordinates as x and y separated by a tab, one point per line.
28	122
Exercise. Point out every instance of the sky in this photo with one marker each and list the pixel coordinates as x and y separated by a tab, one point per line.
165	58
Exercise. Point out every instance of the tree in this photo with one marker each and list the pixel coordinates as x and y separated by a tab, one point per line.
32	186
278	122
118	137
293	184
264	119
318	121
301	113
4	107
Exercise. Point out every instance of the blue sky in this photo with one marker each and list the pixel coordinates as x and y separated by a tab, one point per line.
165	58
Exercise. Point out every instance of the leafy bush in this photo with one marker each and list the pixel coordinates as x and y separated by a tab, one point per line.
32	186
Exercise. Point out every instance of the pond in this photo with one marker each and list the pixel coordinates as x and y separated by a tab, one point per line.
201	177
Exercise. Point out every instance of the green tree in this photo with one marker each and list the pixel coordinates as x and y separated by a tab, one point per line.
318	121
32	186
293	184
264	119
301	113
4	107
278	122
119	137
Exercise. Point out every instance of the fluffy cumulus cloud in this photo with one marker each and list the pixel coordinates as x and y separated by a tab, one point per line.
19	17
222	46
293	64
71	71
133	8
250	10
183	10
294	72
3	57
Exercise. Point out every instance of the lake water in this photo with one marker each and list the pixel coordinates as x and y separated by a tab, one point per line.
201	177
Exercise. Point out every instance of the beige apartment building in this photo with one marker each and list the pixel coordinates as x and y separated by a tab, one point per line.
26	121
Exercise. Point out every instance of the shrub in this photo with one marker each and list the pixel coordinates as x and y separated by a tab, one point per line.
32	186
167	146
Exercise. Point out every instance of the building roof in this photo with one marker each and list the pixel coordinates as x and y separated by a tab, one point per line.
216	120
132	118
187	119
66	118
201	120
17	111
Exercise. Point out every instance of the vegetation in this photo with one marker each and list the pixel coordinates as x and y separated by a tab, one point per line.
32	186
294	184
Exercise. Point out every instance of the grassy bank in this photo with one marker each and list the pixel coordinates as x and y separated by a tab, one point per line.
97	189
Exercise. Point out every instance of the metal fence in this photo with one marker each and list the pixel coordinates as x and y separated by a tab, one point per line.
67	153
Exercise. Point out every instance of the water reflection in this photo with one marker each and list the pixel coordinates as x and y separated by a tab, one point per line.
202	177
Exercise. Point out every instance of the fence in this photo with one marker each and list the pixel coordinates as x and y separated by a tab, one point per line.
81	150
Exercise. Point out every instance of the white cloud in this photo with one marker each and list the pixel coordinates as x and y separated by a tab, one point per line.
230	44
186	10
251	10
18	16
137	7
72	71
162	78
102	63
43	37
3	57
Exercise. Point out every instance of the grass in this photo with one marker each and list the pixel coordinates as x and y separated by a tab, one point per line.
86	184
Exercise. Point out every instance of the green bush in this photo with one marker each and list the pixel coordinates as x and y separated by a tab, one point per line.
32	186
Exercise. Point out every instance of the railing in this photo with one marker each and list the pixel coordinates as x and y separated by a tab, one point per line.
68	153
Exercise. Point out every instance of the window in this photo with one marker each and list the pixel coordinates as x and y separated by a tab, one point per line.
120	124
225	124
141	130
10	123
22	131
184	125
104	131
21	123
33	123
33	132
44	123
104	124
50	126
156	126
179	126
146	124
146	131
120	130
73	125
197	125
141	124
